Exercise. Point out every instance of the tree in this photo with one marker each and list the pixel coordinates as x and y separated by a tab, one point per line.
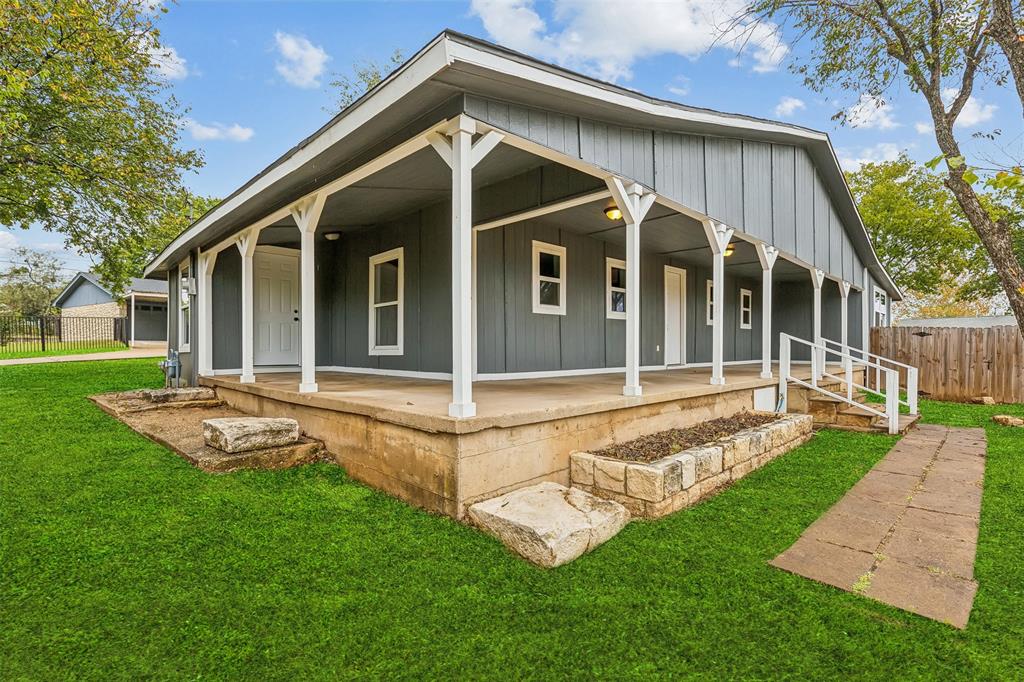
88	135
30	283
128	256
938	49
365	75
918	230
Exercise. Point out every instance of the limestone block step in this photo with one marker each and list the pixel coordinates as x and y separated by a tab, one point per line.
244	434
177	395
549	524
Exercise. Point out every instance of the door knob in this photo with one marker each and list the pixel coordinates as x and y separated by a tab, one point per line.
296	319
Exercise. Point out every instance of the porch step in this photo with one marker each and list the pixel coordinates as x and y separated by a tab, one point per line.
854	420
825	409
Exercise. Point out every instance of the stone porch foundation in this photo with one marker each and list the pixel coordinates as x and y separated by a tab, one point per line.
651	490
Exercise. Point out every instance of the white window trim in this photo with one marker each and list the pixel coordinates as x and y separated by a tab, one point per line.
748	307
709	302
608	288
879	307
553	249
375	260
184	274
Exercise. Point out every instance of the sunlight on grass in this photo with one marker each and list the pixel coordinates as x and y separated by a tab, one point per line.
120	560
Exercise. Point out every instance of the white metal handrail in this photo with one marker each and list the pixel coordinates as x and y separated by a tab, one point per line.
818	352
880	362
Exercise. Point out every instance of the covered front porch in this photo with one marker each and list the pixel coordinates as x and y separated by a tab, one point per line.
390	280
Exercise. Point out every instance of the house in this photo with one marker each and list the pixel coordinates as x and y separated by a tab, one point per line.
143	305
488	261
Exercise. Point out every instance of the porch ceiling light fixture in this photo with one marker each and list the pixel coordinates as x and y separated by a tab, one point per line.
730	249
612	211
332	236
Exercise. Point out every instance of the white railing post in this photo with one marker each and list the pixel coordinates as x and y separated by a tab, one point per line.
912	389
892	400
783	371
848	361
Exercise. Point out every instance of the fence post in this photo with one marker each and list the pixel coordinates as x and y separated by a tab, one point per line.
42	331
892	400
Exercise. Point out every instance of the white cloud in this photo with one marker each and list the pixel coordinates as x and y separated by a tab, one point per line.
851	160
607	38
788	106
217	131
303	61
974	112
871	112
168	63
924	127
8	243
680	86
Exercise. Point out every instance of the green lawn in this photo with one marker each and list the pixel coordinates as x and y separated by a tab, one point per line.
60	348
117	559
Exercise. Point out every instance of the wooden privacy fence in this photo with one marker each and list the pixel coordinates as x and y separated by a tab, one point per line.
958	363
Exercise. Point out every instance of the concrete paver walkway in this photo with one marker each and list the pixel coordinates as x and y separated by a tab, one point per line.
906	534
127	354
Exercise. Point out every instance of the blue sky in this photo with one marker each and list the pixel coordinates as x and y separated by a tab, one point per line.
255	75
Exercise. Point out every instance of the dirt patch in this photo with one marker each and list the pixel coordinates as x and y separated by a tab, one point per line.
659	445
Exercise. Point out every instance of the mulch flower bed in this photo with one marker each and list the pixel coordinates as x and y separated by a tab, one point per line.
658	445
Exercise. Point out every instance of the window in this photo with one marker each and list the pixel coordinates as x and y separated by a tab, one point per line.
387	275
881	314
184	308
548	279
616	288
746	308
710	304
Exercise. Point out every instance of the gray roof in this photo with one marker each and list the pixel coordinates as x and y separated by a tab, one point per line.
147	286
137	285
424	86
979	321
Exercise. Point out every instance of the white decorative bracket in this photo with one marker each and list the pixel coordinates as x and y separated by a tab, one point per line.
767	255
306	213
844	289
482	147
817	278
632	200
719	235
246	242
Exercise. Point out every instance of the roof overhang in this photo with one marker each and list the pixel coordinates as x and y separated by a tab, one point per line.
451	64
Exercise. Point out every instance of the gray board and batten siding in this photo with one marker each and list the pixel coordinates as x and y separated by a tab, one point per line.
770	191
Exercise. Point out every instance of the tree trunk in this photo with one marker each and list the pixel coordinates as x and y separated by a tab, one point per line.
995	235
1003	29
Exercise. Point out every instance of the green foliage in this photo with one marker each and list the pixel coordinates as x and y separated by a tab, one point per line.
121	560
30	283
366	74
918	230
127	256
88	133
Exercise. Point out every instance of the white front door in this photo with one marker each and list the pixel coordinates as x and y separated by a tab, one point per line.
675	316
276	306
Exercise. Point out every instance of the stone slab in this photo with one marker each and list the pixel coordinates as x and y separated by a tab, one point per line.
549	524
244	434
906	533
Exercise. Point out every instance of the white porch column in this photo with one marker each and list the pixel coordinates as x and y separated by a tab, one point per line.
246	243
460	152
634	205
817	279
307	216
131	304
865	325
718	238
844	294
767	255
206	263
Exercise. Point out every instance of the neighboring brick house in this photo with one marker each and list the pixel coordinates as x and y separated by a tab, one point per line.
144	305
